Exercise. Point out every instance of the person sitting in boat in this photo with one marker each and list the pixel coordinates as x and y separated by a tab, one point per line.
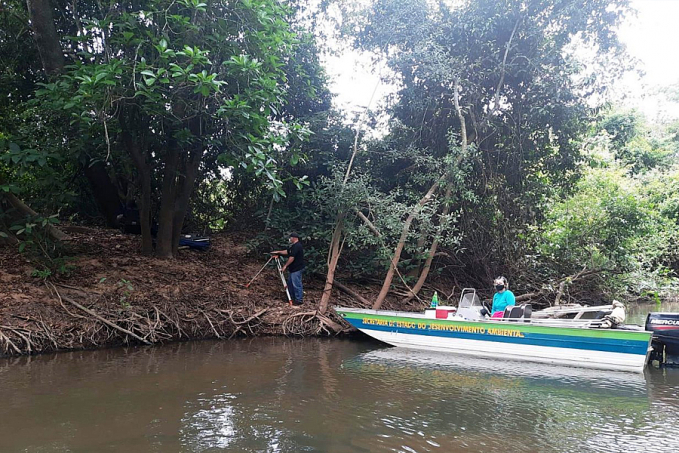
615	318
502	299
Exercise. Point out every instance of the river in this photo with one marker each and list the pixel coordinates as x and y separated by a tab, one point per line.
315	395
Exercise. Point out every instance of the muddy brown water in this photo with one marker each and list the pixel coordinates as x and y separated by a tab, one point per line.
336	396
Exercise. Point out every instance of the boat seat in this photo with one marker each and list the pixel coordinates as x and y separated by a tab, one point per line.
527	311
513	312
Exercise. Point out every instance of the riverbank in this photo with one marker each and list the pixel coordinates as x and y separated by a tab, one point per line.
115	296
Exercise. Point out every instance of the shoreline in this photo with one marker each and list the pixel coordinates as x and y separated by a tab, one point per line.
116	297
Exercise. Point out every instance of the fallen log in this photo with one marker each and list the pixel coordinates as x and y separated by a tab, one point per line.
352	293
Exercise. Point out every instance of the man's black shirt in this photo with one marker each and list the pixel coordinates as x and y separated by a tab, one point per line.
297	252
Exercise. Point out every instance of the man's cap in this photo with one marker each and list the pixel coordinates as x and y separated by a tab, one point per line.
294	235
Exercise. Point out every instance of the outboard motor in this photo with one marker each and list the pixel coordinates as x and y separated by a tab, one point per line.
665	328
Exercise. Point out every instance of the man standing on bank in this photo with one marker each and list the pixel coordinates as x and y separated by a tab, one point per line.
294	265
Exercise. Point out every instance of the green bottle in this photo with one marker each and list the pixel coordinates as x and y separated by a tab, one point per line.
435	300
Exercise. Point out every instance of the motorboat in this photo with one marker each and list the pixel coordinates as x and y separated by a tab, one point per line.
587	339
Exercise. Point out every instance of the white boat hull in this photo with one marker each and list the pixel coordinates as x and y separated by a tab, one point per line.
541	354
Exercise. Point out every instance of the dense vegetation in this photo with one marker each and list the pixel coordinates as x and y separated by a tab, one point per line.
207	115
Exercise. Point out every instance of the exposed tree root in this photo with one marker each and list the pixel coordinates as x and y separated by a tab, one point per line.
111	324
106	321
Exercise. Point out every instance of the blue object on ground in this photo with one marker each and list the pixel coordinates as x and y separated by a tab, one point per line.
194	241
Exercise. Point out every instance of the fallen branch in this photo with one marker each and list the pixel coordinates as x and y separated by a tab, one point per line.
562	283
105	321
255	316
24	209
352	293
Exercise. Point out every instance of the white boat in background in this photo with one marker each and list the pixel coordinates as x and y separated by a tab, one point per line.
575	312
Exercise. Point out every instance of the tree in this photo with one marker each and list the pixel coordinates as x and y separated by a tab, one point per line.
180	84
521	98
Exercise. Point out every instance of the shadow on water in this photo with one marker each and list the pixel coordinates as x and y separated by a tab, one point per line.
287	395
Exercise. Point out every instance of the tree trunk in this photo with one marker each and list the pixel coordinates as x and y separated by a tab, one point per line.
430	257
145	211
401	244
104	191
184	196
333	258
46	38
135	147
415	271
168	195
181	169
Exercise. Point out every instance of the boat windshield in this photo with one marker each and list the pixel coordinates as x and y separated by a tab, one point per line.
468	298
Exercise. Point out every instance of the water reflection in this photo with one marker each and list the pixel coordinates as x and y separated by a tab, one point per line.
284	395
209	424
523	406
636	313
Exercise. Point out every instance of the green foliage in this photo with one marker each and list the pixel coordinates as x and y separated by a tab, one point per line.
522	93
596	225
125	288
622	214
632	142
617	222
622	127
36	244
25	170
177	61
212	79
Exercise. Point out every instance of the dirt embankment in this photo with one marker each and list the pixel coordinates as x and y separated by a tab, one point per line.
116	296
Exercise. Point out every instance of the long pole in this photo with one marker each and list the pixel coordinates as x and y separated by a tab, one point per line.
259	272
285	284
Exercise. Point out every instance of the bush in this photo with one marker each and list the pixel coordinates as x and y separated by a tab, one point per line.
617	222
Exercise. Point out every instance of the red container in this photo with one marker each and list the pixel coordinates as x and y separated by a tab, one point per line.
441	313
